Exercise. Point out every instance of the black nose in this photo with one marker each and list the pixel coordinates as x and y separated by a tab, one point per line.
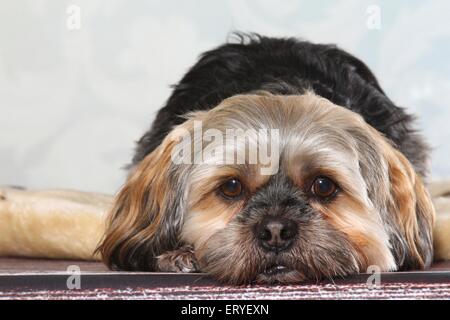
276	234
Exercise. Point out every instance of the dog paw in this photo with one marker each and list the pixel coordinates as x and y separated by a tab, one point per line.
181	261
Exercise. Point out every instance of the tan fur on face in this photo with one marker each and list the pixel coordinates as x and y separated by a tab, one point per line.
210	212
140	211
210	216
403	195
364	230
137	214
412	206
351	212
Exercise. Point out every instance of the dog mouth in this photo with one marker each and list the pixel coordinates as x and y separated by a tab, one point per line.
279	273
275	269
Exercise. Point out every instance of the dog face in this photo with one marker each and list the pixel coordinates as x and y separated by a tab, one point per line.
336	198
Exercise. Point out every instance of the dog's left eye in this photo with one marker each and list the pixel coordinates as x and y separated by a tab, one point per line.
323	187
231	189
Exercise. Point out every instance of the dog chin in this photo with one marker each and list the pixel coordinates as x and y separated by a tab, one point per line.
279	274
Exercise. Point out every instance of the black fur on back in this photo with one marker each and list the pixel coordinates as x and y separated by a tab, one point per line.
286	66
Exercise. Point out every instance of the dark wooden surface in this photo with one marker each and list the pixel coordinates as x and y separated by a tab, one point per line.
36	274
23	265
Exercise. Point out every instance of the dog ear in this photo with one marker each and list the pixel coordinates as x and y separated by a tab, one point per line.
145	219
413	211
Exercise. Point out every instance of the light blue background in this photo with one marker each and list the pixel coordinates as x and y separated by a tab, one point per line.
72	102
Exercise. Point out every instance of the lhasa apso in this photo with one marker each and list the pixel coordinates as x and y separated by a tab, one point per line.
337	187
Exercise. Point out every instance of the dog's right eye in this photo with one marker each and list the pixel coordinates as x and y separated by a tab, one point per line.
231	189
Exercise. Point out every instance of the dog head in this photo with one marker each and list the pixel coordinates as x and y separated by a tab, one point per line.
335	198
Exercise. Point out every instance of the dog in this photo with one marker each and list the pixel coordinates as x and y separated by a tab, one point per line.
346	190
